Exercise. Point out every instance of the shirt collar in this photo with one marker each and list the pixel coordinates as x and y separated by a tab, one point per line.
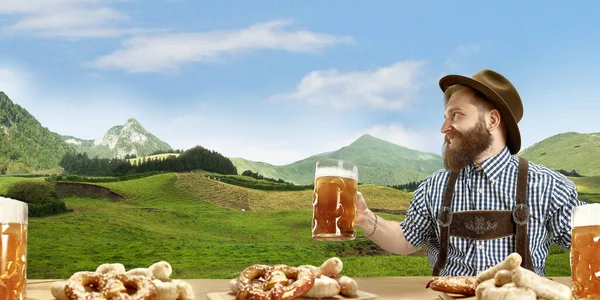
491	166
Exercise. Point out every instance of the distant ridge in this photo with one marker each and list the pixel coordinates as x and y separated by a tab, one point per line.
119	141
379	162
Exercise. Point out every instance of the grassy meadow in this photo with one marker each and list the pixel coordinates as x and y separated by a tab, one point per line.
209	229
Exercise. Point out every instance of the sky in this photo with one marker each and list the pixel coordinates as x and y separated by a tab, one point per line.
278	81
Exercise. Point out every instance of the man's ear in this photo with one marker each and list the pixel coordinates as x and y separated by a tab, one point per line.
493	120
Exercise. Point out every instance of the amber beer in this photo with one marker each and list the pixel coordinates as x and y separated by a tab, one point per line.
585	252
334	209
13	249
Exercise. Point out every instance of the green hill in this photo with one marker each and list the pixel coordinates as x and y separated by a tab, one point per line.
379	162
568	151
26	146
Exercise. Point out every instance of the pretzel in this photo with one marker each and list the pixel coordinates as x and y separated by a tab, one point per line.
274	282
117	285
76	286
464	285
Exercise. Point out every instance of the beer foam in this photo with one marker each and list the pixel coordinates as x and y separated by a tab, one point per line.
13	211
336	171
586	215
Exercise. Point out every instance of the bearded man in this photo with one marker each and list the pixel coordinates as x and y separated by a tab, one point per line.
487	202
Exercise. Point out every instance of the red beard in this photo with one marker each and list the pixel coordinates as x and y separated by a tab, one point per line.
466	147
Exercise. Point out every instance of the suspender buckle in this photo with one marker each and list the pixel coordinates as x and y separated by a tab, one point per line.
445	213
521	214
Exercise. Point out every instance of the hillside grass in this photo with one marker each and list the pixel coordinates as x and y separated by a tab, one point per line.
152	157
588	188
197	225
567	151
7	181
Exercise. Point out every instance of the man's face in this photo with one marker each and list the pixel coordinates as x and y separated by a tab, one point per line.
466	131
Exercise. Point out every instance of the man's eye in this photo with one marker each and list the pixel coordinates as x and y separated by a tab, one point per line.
455	115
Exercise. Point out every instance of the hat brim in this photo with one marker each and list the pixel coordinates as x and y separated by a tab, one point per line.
513	135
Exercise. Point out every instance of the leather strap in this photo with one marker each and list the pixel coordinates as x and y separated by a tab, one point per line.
444	220
521	216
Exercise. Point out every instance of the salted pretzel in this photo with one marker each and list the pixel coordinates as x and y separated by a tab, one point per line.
263	282
84	285
463	285
118	286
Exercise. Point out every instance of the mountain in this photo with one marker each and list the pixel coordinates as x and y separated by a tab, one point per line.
379	162
568	151
25	145
119	141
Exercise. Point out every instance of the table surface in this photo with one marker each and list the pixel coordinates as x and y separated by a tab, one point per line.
384	287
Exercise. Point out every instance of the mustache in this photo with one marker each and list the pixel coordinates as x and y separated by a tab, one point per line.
454	135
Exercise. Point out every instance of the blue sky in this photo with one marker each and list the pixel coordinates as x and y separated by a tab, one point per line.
278	81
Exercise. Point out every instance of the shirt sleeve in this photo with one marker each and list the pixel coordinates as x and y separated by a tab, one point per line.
418	225
564	200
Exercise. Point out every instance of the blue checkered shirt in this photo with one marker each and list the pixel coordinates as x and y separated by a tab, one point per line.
491	185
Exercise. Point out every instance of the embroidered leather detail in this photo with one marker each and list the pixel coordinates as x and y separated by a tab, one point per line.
480	226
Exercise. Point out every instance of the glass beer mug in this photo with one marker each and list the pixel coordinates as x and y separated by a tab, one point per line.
585	251
13	249
334	209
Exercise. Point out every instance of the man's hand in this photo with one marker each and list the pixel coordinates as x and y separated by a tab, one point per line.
388	234
361	210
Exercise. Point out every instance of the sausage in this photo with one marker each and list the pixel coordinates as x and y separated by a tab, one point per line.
185	289
543	287
331	267
58	290
140	271
161	270
511	262
324	287
508	292
315	270
502	277
348	287
481	287
166	290
105	268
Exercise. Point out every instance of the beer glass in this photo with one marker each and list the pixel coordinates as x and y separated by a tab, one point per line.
334	209
585	251
13	249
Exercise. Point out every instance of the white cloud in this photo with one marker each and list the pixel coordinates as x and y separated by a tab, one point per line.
391	87
455	62
66	18
163	52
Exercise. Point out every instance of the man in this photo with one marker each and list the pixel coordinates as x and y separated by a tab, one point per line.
488	202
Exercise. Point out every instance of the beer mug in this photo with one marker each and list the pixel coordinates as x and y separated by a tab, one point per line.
585	251
334	209
13	249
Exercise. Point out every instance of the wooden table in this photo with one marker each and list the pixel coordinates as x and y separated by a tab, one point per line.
384	287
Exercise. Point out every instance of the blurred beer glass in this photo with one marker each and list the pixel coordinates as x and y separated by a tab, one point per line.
13	249
334	210
585	251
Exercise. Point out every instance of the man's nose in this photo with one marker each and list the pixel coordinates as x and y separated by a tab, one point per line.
446	127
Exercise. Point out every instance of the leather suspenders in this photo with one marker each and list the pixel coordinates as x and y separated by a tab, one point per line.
486	224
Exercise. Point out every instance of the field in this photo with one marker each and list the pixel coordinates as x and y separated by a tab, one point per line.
208	229
588	188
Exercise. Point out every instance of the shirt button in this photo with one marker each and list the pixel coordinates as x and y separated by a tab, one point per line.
480	190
